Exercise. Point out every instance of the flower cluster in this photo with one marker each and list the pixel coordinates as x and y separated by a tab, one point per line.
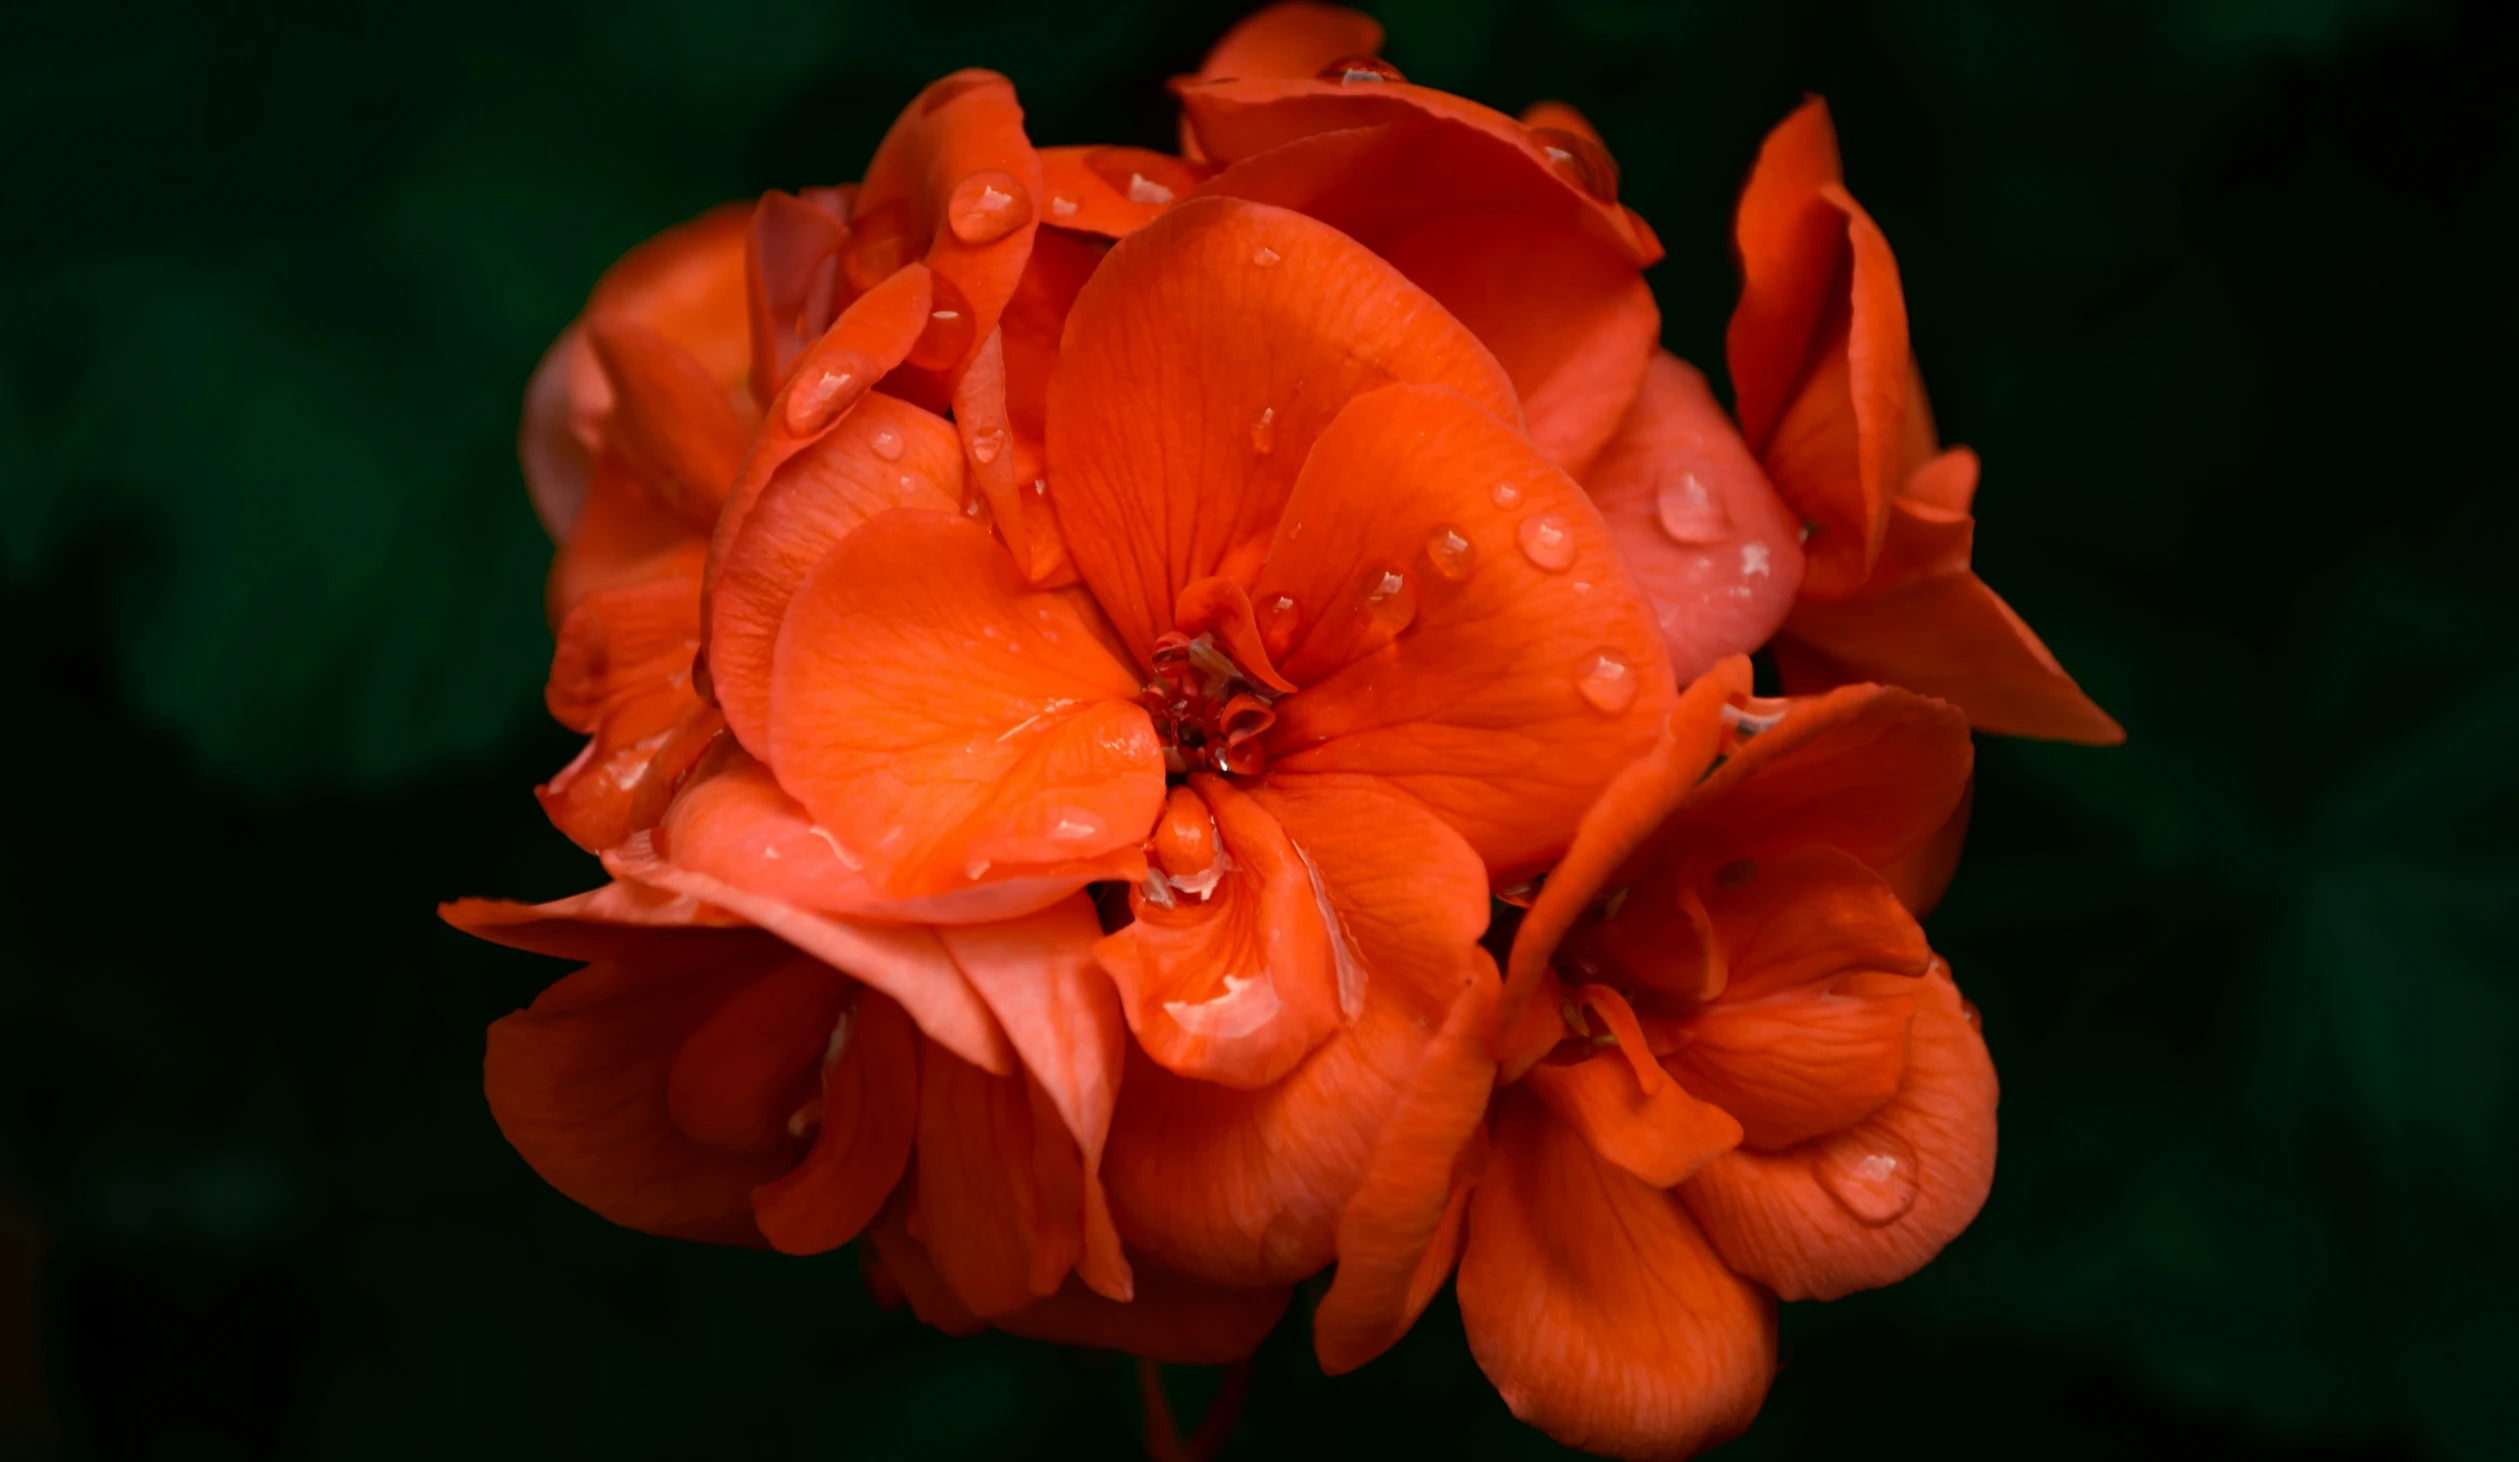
1091	657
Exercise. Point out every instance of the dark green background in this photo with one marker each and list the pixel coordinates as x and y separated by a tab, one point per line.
2220	288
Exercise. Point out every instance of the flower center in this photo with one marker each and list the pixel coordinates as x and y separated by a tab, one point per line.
1209	712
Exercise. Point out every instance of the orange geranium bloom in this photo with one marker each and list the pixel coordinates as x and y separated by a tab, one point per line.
1830	398
1736	1073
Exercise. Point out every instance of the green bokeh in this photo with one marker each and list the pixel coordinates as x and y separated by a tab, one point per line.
2219	290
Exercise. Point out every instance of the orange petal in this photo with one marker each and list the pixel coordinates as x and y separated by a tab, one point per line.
1001	1218
1713	547
1200	362
733	823
1922	876
1596	1306
1819	353
1235	983
602	923
1112	191
1465	628
1293	39
687	285
871	338
578	1084
1246	1187
1038	975
1953	638
624	535
1034	321
1173	1320
1662	1135
1620	821
886	454
924	198
792	282
948	726
756	1059
1872	1204
906	962
1810	1034
677	427
1234	120
869	1095
1561	115
1401	1231
622	672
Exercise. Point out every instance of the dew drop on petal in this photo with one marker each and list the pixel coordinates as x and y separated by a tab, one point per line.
1580	160
887	444
1278	620
986	445
1870	1173
1143	189
987	206
1075	825
1389	599
1264	256
826	388
1359	71
1264	431
1690	512
1448	552
1062	206
1608	682
1547	542
1505	495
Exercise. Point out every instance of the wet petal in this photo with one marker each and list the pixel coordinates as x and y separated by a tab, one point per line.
1173	441
1294	39
886	454
1711	544
1872	1204
1465	628
946	724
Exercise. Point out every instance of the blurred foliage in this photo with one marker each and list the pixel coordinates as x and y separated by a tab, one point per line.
2218	289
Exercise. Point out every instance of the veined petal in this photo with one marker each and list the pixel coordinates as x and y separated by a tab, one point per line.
1000	1216
946	724
1174	440
1596	1306
886	454
1662	1136
1710	543
1872	1204
1464	628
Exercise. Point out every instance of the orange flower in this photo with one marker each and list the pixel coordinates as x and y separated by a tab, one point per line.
1830	398
1736	1073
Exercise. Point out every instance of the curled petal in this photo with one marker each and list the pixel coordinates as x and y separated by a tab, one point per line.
1872	1204
867	1122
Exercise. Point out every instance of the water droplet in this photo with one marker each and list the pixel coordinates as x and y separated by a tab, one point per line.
1448	553
826	388
1690	511
1547	542
1278	622
1580	161
1143	189
1608	682
1505	495
1359	71
1062	206
1264	256
1040	487
887	444
987	444
1264	431
1075	826
1389	599
1871	1174
1142	176
987	206
948	337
